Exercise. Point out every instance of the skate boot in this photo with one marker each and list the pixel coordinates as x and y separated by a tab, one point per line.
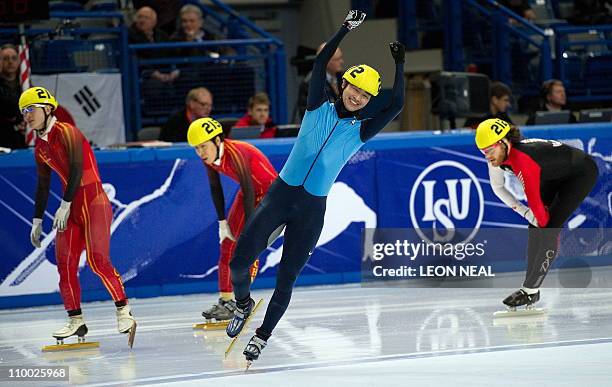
221	311
253	349
239	319
126	323
75	326
518	299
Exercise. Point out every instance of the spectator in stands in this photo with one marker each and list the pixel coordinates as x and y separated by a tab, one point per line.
335	69
521	8
553	99
143	30
258	114
167	11
500	96
192	30
198	104
12	126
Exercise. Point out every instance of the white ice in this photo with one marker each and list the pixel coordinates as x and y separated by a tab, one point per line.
338	336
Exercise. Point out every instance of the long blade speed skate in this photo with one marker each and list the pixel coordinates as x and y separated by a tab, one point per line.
246	323
132	335
212	325
518	299
74	327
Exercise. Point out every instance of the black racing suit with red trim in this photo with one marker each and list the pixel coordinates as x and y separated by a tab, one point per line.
556	178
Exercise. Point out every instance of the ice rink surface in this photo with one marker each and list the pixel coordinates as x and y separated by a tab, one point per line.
337	336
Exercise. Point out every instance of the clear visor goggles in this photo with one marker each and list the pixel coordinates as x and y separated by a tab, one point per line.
490	149
30	108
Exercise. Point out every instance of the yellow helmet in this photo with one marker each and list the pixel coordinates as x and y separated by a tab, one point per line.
364	77
202	130
36	95
491	131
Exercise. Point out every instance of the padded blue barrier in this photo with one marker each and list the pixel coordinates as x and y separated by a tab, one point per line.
164	233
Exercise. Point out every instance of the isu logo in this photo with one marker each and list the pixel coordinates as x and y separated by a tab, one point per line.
87	100
446	196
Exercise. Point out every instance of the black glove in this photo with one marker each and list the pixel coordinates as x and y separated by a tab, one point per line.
398	51
354	18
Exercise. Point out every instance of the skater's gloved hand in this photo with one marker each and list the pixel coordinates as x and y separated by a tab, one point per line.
224	231
36	231
398	51
61	216
354	18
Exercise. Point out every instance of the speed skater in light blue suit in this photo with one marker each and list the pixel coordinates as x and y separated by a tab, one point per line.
329	136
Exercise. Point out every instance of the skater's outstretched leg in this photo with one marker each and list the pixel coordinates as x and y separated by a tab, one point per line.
300	240
252	242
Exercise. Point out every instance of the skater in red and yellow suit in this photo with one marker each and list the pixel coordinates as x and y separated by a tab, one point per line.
246	165
84	217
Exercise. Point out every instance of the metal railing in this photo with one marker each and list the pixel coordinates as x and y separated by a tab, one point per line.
524	33
251	45
117	45
232	79
584	61
258	64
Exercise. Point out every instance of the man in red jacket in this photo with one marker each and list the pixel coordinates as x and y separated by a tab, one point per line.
258	114
84	217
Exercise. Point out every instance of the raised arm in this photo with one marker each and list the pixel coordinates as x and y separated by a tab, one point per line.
369	128
316	86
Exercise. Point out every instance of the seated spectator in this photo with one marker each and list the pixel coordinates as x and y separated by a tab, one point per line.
258	114
12	126
335	69
198	104
167	10
192	30
553	99
143	30
500	96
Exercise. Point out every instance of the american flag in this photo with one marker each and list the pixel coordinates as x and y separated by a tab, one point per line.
24	79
